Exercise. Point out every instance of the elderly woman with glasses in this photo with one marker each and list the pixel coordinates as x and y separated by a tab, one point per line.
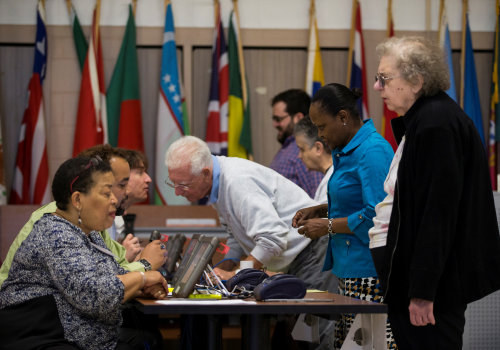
435	241
65	288
361	159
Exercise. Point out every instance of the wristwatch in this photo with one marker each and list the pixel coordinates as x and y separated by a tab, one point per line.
146	264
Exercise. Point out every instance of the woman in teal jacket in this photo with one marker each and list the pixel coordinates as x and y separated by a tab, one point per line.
361	159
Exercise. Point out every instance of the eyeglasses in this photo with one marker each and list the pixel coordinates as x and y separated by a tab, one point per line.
279	119
383	80
94	161
183	187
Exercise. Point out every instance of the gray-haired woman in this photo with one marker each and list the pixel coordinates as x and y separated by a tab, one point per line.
435	241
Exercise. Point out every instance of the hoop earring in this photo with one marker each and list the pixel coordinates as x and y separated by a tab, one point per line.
79	219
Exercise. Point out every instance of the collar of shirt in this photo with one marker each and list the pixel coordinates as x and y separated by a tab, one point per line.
214	194
288	140
362	134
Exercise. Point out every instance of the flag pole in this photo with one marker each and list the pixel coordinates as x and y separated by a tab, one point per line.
462	54
69	5
389	18
312	11
216	12
97	20
351	41
134	7
440	23
240	54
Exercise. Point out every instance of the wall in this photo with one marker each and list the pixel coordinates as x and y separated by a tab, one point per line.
274	35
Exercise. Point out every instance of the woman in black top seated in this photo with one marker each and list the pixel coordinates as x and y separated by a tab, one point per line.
64	269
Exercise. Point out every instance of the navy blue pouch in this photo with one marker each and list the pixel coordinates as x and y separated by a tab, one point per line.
246	279
280	286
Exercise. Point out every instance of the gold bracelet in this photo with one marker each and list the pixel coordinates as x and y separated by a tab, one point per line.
143	279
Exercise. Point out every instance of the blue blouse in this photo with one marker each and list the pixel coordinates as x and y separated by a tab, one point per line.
59	259
354	189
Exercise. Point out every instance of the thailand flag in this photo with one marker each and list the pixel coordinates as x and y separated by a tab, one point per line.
358	74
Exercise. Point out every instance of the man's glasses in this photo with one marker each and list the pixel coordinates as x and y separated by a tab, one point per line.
94	161
383	80
183	187
279	119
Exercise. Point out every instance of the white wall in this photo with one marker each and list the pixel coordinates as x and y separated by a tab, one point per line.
269	14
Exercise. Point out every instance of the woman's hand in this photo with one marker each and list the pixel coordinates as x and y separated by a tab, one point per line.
156	291
314	228
303	214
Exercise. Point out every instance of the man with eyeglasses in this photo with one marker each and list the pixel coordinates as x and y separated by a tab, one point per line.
256	206
289	107
152	257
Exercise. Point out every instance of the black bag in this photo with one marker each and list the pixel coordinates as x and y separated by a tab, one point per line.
280	286
246	279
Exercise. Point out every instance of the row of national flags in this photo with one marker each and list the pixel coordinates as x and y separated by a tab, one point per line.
114	116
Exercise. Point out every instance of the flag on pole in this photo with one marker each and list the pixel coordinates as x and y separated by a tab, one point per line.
389	115
494	107
444	40
217	120
31	175
91	121
472	105
315	77
123	99
78	36
239	108
358	65
170	125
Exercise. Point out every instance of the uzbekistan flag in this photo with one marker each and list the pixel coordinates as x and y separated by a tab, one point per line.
170	125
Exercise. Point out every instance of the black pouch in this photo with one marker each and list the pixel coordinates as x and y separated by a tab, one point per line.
246	279
280	286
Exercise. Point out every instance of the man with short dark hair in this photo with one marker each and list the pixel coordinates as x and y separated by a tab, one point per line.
289	107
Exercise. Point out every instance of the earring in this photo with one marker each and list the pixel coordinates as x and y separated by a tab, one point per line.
79	219
345	124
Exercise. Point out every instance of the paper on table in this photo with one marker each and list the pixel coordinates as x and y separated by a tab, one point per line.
205	302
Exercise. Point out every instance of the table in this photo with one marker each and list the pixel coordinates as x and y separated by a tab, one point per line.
256	314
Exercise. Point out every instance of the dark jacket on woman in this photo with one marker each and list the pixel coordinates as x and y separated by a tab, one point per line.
443	243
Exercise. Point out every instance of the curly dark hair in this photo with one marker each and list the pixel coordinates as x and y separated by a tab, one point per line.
75	174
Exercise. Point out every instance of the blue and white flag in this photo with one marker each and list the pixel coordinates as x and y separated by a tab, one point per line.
444	40
170	125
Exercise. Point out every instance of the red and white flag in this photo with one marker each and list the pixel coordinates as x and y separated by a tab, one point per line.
91	121
217	123
31	176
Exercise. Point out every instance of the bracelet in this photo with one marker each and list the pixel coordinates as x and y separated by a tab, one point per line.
330	228
143	279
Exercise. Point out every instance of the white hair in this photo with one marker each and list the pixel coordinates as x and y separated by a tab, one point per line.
189	150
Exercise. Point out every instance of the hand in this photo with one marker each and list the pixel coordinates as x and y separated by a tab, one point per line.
224	275
155	253
421	312
308	213
314	228
155	286
133	247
